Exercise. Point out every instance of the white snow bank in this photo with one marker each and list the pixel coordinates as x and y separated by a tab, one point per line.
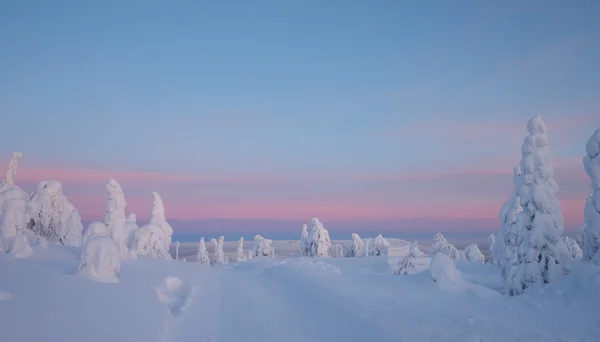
443	270
100	259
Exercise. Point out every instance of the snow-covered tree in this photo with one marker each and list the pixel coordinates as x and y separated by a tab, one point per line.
441	245
491	257
443	270
130	227
95	228
12	221
263	247
304	244
540	252
380	245
357	246
406	264
10	176
220	255
176	250
319	242
591	229
214	256
48	211
337	251
100	259
240	251
574	250
473	254
115	216
202	255
509	238
74	233
250	254
154	238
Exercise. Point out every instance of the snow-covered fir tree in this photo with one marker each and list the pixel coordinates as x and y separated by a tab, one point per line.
12	221
95	228
18	246
509	238
406	264
131	227
239	256
337	251
441	245
358	246
221	258
263	247
319	242
48	211
10	176
74	234
591	228
380	246
154	238
202	255
473	254
574	250
540	252
304	245
492	242
8	189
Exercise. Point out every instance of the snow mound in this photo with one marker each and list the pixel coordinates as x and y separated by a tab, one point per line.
591	228
473	254
176	294
12	221
100	260
443	270
95	228
263	247
150	240
18	247
441	245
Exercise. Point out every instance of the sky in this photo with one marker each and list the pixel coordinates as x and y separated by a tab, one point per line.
383	115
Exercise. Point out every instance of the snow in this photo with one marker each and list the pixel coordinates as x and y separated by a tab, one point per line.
10	176
74	233
443	270
379	246
574	250
264	299
154	238
304	244
95	228
48	211
12	221
540	251
263	247
318	241
202	254
442	245
115	217
473	254
239	257
358	246
100	259
18	246
591	228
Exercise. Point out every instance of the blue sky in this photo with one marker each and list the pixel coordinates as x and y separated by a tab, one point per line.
305	92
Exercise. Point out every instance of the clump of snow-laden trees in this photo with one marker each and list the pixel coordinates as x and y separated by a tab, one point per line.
406	265
202	255
535	235
473	254
441	245
263	247
318	241
591	228
154	238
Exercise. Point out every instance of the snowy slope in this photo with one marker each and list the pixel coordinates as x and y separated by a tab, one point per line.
284	299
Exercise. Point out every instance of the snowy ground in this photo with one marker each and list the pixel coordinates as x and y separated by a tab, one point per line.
284	299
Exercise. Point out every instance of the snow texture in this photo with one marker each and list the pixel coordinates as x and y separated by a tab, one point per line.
358	246
239	256
115	216
473	254
573	248
48	211
17	246
508	239
202	254
10	176
95	228
74	233
441	245
12	221
540	251
263	247
591	229
319	242
443	270
100	259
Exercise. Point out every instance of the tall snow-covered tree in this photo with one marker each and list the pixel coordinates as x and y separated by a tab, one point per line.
441	245
154	238
304	244
491	256
115	216
48	211
574	250
214	256
10	176
473	254
509	237
263	247
358	246
157	217
319	239
74	233
202	255
591	229
406	264
380	245
540	251
239	257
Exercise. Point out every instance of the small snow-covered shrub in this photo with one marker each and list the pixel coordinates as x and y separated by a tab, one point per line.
441	245
202	254
319	242
574	250
95	228
100	259
473	254
443	270
406	264
18	246
380	246
263	247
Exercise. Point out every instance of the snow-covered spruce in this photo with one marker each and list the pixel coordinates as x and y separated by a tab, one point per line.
441	245
380	246
48	211
74	233
591	229
443	270
304	245
10	176
358	246
202	254
492	249
239	256
17	246
406	264
508	238
473	254
115	216
215	247
154	238
319	242
540	252
95	228
219	254
574	250
8	189
100	259
263	247
12	221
